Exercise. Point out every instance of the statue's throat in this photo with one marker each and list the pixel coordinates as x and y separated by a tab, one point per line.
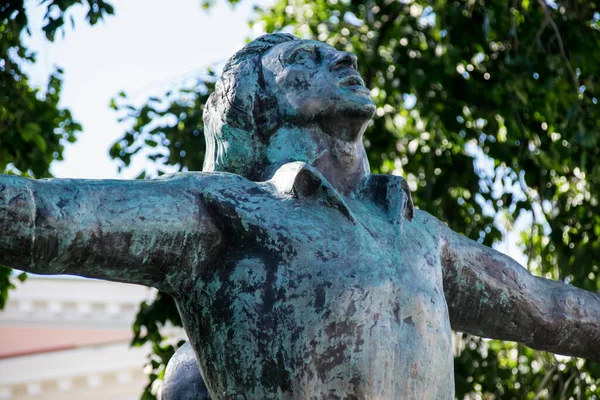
343	163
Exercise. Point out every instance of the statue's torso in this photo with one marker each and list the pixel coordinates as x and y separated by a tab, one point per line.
307	303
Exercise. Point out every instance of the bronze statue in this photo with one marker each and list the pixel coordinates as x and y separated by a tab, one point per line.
297	273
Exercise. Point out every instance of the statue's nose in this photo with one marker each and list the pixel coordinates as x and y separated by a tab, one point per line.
344	59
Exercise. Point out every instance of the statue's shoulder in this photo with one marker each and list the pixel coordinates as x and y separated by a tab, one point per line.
430	226
221	187
203	181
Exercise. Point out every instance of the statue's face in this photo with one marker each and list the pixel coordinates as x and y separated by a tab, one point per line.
312	81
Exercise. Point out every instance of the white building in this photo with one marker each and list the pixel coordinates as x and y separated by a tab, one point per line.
68	338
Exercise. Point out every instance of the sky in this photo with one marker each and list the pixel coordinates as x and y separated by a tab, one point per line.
144	49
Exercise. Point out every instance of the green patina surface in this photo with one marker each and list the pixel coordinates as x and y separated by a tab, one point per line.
297	273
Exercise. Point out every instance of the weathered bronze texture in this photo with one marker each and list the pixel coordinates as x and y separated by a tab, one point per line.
182	379
297	273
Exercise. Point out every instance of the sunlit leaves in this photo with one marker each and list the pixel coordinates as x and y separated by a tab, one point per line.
57	13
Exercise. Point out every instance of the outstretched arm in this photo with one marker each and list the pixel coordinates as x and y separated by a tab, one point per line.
491	295
147	232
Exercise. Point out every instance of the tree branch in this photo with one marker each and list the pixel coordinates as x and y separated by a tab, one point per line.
545	380
560	42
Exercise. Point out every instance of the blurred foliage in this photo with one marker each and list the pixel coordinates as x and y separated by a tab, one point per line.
33	126
170	130
146	329
489	109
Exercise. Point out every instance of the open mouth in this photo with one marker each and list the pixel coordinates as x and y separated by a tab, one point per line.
352	80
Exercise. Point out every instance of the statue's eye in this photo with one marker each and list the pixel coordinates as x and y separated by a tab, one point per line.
303	56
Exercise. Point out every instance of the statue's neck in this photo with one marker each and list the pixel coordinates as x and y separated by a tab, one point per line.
342	162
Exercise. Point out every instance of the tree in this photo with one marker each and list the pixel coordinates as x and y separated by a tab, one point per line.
33	127
489	109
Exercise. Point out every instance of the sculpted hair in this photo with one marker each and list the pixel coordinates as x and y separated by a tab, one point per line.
239	116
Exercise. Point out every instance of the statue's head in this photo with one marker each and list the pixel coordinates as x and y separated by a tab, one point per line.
274	81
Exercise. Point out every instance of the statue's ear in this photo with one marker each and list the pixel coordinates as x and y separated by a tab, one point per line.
265	114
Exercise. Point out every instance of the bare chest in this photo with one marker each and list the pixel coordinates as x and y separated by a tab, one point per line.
311	303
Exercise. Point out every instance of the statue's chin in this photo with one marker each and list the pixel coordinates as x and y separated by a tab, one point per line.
359	106
366	111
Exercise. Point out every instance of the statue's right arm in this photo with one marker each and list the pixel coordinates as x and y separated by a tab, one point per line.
154	232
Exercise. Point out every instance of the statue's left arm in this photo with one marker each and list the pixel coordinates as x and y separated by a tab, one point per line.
491	295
